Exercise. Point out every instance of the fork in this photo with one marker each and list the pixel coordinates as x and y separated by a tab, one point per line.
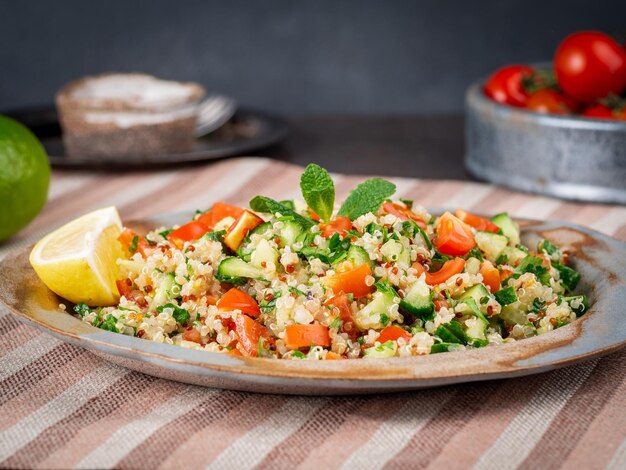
214	111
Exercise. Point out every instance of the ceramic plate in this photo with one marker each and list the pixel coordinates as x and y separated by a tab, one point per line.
247	131
600	260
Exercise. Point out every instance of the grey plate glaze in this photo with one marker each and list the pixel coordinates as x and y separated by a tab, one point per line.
247	131
600	259
564	156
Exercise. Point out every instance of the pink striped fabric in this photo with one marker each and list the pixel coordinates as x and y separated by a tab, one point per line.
62	407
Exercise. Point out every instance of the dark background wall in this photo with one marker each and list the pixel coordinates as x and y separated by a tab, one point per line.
295	57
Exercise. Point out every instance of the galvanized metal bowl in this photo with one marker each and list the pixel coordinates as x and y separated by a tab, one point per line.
564	156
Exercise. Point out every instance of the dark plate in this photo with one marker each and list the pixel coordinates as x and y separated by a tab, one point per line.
247	131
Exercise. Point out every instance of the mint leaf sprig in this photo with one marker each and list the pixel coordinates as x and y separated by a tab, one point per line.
318	190
367	197
270	206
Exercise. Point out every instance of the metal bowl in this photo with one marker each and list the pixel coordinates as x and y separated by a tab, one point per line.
564	156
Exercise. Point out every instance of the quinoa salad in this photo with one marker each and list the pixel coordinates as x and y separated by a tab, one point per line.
374	277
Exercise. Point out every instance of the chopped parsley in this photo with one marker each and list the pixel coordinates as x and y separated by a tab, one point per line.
82	309
133	244
180	314
384	319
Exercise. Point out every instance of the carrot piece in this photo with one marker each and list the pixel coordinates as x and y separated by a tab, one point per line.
132	244
236	299
393	333
331	356
250	333
449	269
476	221
305	336
491	276
352	281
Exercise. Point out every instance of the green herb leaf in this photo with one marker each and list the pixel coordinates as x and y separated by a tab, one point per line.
336	323
318	190
367	197
505	296
165	233
270	206
133	245
109	323
569	277
180	314
81	309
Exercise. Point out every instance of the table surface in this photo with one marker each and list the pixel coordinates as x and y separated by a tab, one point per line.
63	407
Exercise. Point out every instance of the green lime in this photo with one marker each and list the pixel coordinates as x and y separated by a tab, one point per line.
24	177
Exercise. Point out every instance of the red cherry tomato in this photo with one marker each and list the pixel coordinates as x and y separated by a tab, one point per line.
236	299
506	85
454	237
590	65
403	213
338	224
476	221
551	102
598	111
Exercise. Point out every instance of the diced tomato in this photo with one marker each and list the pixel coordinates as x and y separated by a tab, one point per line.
126	239
250	333
393	333
403	213
305	336
338	224
191	334
124	287
454	237
478	222
206	219
331	356
439	304
341	304
351	282
189	232
491	275
236	299
240	228
221	210
313	215
449	269
235	352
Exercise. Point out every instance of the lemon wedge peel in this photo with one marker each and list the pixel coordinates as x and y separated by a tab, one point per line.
78	261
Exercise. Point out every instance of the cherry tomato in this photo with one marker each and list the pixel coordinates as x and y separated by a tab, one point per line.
449	269
506	85
338	224
590	65
240	228
403	213
454	237
393	333
598	111
236	299
551	102
476	221
186	233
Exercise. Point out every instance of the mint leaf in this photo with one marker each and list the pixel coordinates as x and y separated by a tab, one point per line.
270	206
367	197
318	190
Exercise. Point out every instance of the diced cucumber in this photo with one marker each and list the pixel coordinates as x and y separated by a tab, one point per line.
260	229
418	301
476	292
370	315
513	255
386	349
358	256
394	251
513	314
491	244
264	254
476	329
290	231
509	228
163	288
444	347
235	271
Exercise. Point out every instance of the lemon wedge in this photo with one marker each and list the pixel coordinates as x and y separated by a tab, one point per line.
78	260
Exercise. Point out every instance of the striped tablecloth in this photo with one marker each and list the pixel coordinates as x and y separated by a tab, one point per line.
63	407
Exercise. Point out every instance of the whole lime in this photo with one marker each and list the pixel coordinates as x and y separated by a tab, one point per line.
24	177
